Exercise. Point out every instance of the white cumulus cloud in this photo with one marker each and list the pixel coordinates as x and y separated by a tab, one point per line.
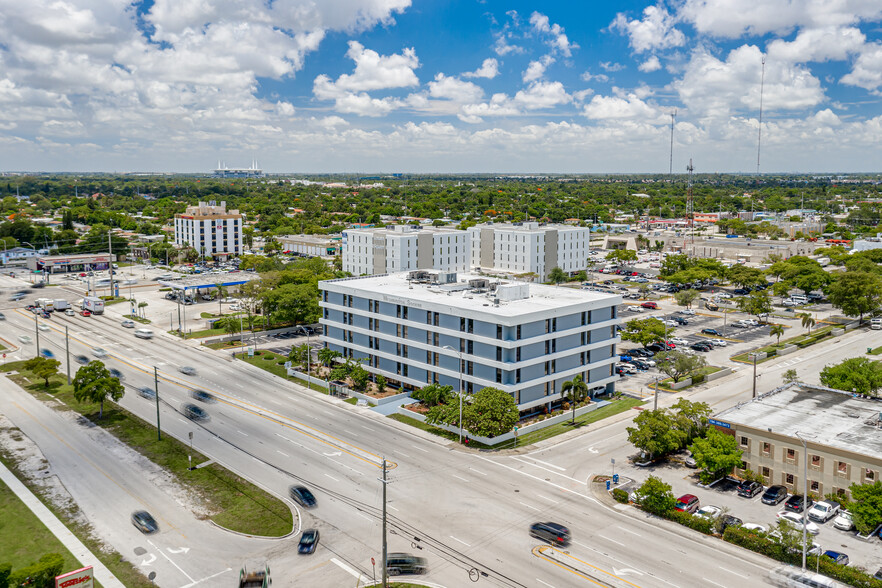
867	70
554	34
536	69
489	69
655	31
650	65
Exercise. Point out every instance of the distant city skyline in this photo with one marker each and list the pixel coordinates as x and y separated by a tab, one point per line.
436	87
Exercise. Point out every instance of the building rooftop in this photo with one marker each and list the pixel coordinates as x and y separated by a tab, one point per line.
317	239
825	416
531	226
211	208
406	229
476	293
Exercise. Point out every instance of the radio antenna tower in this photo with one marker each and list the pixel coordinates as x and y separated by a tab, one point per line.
671	163
759	136
690	212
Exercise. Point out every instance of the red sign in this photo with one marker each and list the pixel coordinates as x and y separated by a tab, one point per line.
82	578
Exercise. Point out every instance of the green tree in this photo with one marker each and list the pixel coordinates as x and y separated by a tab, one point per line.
433	394
360	377
644	331
575	391
686	297
93	383
622	255
790	376
742	275
776	330
491	412
691	417
230	324
756	303
807	321
656	496
381	384
141	306
655	433
557	275
856	293
299	354
857	374
326	356
221	292
866	506
678	365
42	368
716	453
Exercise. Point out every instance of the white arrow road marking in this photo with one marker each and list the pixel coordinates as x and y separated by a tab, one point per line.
592	450
333	454
179	550
147	562
625	572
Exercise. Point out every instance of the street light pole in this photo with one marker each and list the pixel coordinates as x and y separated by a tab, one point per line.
37	333
67	352
804	496
754	374
459	353
156	388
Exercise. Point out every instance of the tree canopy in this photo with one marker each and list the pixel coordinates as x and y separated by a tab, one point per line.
93	383
644	331
858	374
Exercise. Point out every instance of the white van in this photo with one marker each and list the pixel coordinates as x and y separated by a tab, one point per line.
876	324
799	299
143	333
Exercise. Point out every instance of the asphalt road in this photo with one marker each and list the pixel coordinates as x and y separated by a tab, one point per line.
469	510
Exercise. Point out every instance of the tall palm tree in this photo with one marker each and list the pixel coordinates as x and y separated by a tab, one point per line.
777	331
574	390
221	293
807	321
326	356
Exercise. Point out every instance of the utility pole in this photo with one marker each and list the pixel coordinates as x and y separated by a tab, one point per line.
156	388
759	134
754	374
110	262
671	163
655	398
690	204
385	577
67	352
37	332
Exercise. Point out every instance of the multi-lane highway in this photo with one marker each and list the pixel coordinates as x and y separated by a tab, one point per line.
469	510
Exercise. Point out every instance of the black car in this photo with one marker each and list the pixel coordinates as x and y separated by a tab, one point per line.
81	359
405	563
115	373
749	489
729	521
655	347
679	320
144	522
637	352
701	347
795	503
552	532
201	396
193	412
640	365
713	332
774	495
741	291
308	541
302	496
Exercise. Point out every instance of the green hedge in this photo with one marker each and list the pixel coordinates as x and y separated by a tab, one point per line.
617	493
5	571
38	575
700	524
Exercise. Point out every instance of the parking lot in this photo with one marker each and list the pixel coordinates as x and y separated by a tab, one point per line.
864	553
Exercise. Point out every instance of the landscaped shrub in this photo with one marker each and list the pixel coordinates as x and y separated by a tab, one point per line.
39	575
700	524
620	495
5	571
848	575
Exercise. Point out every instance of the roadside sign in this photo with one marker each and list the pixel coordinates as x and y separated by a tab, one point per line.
81	578
251	352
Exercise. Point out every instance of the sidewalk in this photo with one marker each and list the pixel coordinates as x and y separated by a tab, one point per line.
76	547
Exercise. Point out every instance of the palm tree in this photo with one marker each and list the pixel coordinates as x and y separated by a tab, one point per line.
574	390
141	306
221	293
807	321
777	331
327	356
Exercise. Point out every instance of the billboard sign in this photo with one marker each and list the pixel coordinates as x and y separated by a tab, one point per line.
81	578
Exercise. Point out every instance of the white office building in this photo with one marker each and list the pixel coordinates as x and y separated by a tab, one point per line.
403	248
421	327
521	248
210	229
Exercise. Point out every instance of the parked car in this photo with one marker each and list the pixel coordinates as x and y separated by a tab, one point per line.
718	342
729	521
680	320
795	521
308	541
709	512
688	503
554	533
650	305
837	556
754	527
714	332
741	291
302	496
843	521
701	347
687	311
144	522
823	511
774	495
795	503
679	341
749	489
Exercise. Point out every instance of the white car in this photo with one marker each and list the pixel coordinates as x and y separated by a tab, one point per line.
754	527
99	352
43	327
69	312
795	520
627	368
679	341
722	295
687	311
788	302
709	512
823	511
128	323
25	339
843	521
718	342
672	324
749	322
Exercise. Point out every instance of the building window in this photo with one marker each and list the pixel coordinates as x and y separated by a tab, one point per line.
471	326
519	332
766	472
767	448
790	455
789	479
498	376
816	461
518	354
499	331
815	487
499	354
404	313
870	475
842	469
462	323
744	441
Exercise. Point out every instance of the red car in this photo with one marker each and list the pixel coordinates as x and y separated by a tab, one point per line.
650	305
688	503
86	313
669	345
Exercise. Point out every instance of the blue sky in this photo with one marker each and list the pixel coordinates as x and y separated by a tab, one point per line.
433	86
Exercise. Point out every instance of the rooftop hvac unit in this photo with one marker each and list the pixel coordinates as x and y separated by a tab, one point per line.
479	283
444	278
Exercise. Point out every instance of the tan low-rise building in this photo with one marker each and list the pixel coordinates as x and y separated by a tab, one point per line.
842	433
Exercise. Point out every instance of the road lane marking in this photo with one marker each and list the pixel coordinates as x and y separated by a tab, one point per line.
350	432
346	568
551	465
612	540
282	453
207	578
540	553
548	499
332	477
515	457
538	479
241	433
546	583
459	478
460	540
421	449
731	572
392	507
403	454
527	505
712	582
629	531
171	562
478	471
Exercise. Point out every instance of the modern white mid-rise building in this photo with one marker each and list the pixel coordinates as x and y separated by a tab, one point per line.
403	248
422	327
531	247
210	229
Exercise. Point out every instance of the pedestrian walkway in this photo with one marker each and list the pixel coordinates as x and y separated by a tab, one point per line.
74	545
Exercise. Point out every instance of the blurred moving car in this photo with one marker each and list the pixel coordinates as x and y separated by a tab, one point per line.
193	412
99	352
81	359
147	392
128	323
115	373
554	533
144	522
255	577
302	496
405	563
308	541
187	370
201	395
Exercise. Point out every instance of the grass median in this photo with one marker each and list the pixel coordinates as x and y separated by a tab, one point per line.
274	363
236	504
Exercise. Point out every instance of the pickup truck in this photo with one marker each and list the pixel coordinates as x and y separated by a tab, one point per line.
823	511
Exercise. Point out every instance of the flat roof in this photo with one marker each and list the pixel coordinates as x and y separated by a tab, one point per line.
199	281
542	298
823	415
312	239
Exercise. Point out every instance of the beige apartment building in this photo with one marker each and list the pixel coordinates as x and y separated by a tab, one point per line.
210	229
842	433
